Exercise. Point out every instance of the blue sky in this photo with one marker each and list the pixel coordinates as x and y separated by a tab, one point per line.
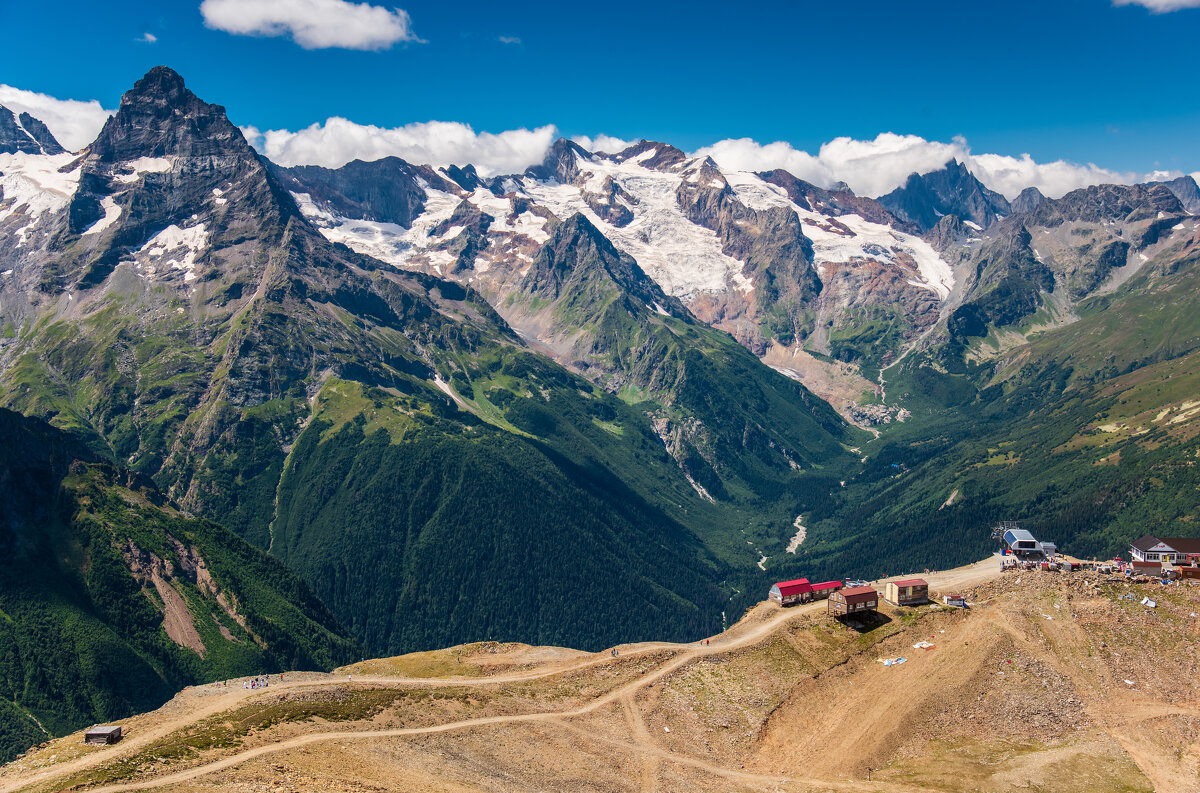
1079	80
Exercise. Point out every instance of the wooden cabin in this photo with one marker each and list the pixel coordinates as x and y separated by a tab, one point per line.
822	590
909	592
785	593
854	600
102	735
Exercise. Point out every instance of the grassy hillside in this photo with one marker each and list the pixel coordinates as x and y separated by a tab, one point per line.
110	600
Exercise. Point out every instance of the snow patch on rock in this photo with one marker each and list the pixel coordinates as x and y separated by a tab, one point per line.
143	165
177	247
111	213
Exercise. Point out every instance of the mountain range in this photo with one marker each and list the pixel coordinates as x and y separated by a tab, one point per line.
606	398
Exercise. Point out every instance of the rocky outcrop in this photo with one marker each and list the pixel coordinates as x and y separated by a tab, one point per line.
665	157
949	233
611	203
1110	203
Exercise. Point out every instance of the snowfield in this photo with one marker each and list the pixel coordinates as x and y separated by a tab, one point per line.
684	258
33	185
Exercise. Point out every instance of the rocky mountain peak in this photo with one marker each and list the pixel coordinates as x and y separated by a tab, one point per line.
466	177
576	254
560	162
1186	190
160	117
952	190
25	134
385	190
837	201
1029	199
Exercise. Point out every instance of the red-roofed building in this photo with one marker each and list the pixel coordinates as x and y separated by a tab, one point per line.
785	593
909	592
823	589
853	601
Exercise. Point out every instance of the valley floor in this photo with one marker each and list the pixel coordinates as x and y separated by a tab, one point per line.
1049	682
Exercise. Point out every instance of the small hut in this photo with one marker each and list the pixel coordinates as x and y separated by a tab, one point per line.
854	600
104	735
909	592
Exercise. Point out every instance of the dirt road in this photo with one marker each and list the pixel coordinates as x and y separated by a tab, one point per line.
760	623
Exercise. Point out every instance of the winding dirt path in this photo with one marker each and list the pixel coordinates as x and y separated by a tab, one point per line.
743	634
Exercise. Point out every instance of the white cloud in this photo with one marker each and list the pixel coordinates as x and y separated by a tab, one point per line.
605	143
313	24
1010	175
870	167
508	39
75	124
338	141
1160	6
875	167
147	38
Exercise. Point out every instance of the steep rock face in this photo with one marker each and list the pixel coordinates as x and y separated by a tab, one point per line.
1059	252
41	133
949	233
1029	199
466	177
653	155
1111	203
770	242
25	134
1008	281
168	181
953	190
611	203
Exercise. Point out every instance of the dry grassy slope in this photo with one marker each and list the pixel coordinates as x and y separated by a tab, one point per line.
1024	691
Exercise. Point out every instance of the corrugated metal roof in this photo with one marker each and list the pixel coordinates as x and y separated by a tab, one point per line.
792	587
821	587
858	593
912	582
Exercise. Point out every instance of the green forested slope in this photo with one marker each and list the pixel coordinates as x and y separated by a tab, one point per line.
87	552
